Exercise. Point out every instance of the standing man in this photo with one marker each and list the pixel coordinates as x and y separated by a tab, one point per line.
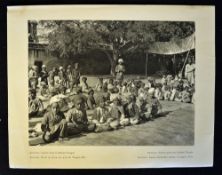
120	70
189	71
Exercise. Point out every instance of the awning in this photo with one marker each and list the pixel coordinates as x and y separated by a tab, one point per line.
173	47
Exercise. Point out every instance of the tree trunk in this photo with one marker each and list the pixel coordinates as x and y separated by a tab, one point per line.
113	58
114	63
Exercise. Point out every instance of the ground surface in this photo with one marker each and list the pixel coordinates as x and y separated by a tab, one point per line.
174	127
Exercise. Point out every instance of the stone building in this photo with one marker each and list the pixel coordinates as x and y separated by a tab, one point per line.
38	53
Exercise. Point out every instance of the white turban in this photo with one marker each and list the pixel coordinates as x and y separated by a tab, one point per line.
151	91
120	60
54	99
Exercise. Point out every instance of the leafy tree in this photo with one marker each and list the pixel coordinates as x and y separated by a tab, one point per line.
68	38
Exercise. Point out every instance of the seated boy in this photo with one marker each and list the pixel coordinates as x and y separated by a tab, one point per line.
163	80
117	115
154	106
132	110
104	93
158	93
84	85
90	100
101	116
36	107
54	124
77	117
169	79
144	108
99	85
110	86
79	94
44	92
64	100
141	89
124	88
186	96
167	93
173	93
116	88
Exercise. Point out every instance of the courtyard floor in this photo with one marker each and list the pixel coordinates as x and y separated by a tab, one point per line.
175	126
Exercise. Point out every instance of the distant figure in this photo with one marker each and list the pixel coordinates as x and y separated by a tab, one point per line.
44	74
84	85
120	70
99	85
189	72
76	74
91	103
62	76
33	77
69	76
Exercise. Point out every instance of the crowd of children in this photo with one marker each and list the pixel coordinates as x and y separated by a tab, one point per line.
63	98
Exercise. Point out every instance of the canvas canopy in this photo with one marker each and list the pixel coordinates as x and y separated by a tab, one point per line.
173	46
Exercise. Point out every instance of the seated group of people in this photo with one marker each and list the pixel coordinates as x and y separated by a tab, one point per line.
175	89
107	114
115	104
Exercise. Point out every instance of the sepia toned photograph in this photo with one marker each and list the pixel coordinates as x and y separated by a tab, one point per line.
111	83
111	86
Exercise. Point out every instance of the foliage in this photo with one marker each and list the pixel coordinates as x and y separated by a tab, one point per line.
71	37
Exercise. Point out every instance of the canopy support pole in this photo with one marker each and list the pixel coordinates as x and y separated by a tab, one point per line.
187	57
174	63
146	64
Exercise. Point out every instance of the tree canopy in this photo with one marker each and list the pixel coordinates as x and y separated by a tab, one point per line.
70	37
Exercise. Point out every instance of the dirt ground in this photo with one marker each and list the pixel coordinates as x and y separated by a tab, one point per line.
175	126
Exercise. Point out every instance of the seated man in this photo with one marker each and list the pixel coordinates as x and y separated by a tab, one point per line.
54	124
101	116
132	110
77	117
36	107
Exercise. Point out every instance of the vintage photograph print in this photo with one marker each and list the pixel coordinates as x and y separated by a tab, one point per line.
111	83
